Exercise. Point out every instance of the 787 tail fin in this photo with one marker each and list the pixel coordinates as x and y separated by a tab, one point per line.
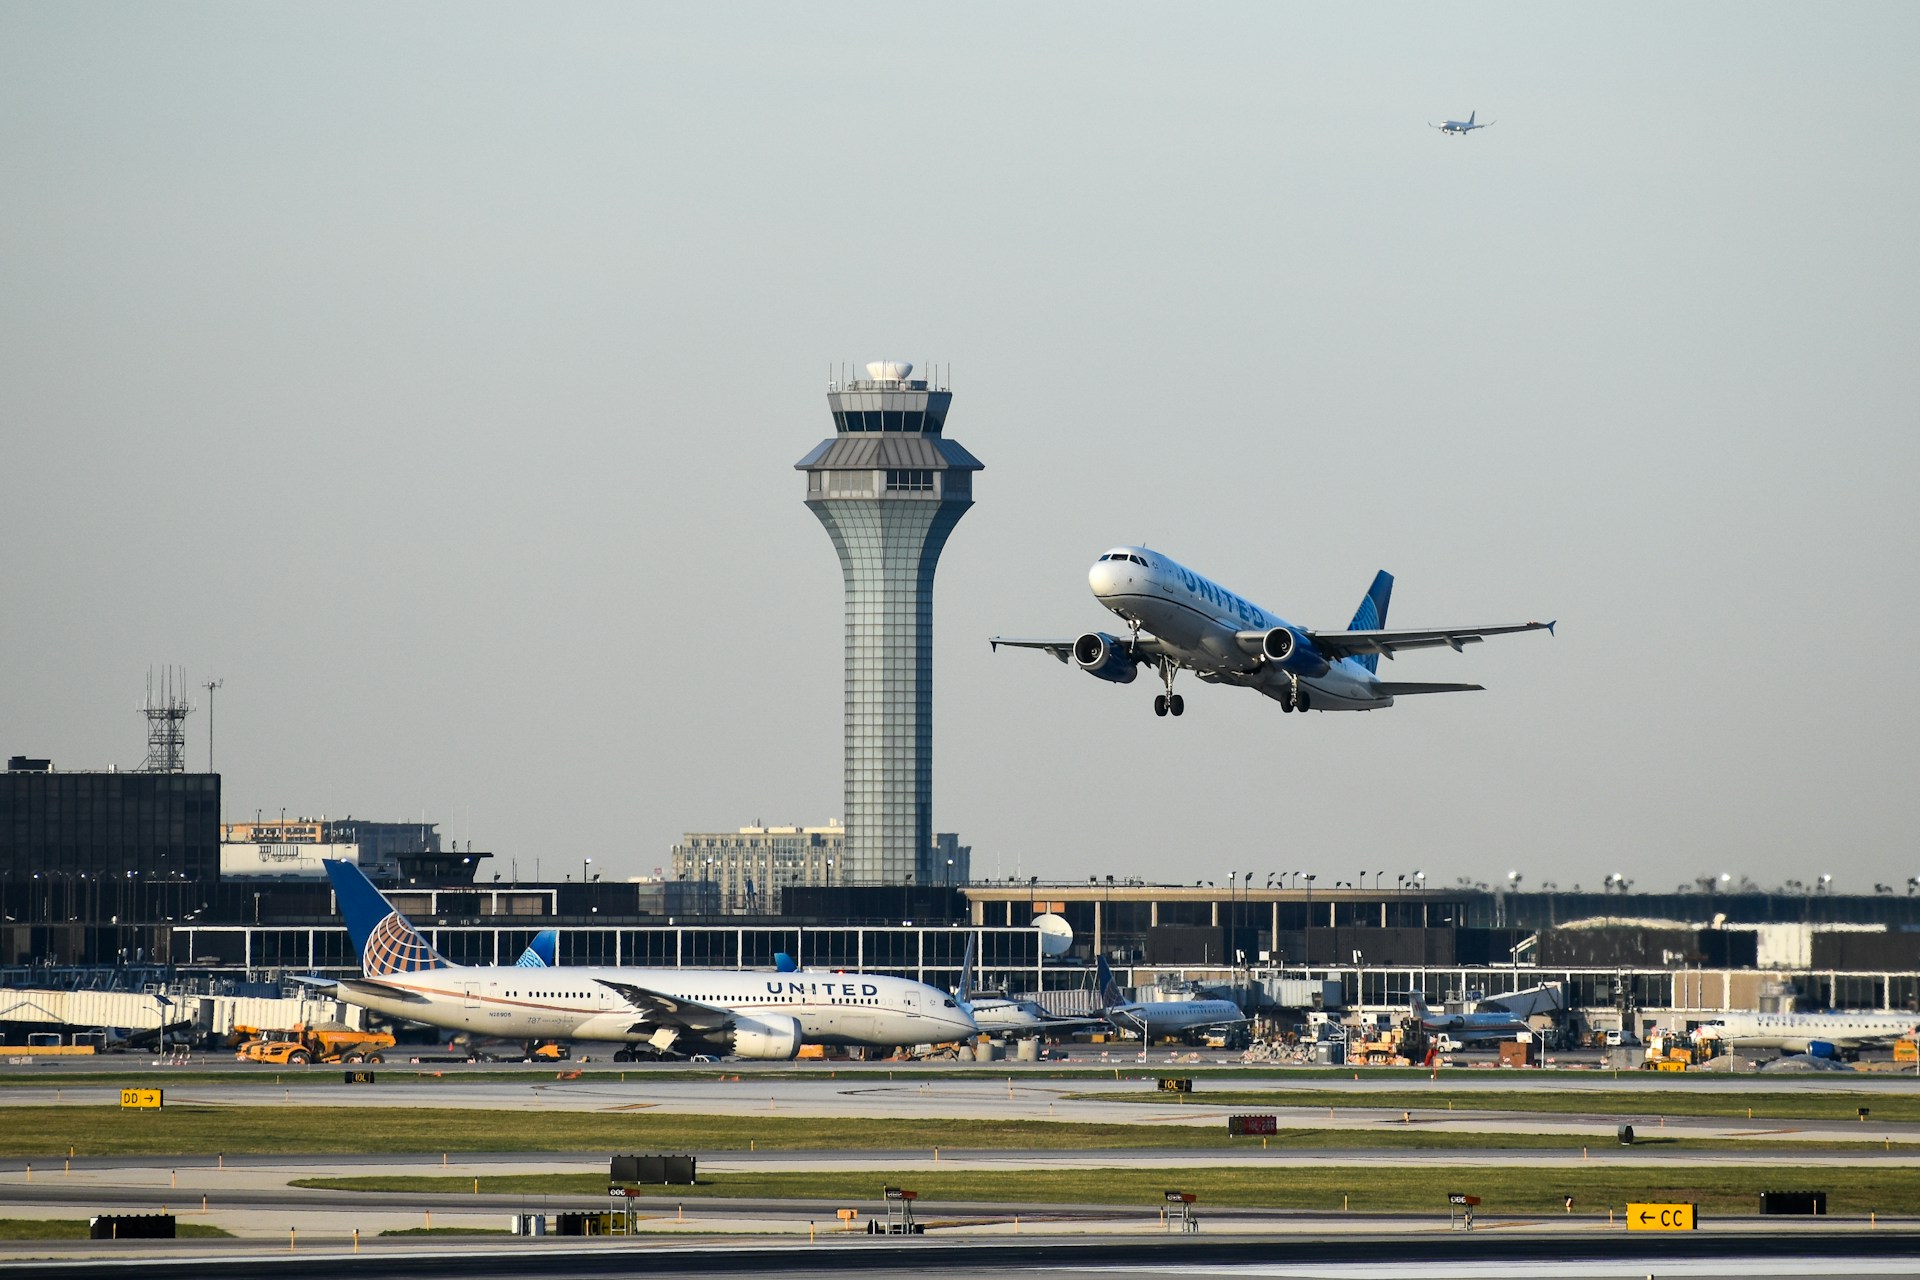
386	942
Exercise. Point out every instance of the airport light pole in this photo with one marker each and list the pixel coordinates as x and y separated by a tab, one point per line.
1308	940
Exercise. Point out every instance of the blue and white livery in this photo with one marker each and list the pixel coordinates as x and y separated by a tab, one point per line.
1461	128
651	1012
1178	620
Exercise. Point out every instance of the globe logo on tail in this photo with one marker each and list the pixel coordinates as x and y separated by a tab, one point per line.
395	946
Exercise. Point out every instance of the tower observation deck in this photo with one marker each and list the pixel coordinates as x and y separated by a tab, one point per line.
889	487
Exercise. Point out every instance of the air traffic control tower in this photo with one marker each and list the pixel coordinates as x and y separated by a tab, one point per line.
889	487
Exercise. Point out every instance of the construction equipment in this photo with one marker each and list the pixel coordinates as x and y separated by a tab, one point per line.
302	1043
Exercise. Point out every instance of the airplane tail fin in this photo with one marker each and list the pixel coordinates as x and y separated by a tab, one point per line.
964	990
1372	614
542	953
784	963
387	943
1470	116
1106	988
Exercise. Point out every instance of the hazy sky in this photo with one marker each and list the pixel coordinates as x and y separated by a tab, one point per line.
433	374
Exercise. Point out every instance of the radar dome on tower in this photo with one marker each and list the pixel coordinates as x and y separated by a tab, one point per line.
889	370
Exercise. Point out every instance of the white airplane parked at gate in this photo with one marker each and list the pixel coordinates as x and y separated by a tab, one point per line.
1824	1035
1156	1018
1461	128
1178	619
654	1012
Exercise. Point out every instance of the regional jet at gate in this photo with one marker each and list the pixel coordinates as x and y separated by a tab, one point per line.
1178	620
652	1012
1461	128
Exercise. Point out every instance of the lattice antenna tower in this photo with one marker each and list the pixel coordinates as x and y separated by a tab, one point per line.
166	710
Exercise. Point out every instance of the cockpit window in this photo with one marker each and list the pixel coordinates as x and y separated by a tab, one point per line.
952	1005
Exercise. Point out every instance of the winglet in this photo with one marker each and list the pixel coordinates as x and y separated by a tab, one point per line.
1552	625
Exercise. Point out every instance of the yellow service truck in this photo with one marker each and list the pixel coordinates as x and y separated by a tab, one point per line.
300	1044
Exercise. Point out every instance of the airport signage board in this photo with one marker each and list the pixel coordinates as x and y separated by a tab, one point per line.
142	1099
1252	1126
1461	1197
901	1193
1659	1217
1176	1084
1181	1197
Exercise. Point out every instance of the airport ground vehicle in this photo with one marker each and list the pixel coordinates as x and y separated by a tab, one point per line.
300	1044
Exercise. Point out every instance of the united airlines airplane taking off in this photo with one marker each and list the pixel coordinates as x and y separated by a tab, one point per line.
1461	128
656	1012
1178	619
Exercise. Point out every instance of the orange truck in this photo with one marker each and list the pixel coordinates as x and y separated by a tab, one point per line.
300	1044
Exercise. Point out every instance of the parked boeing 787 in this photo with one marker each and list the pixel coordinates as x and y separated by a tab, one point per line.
1177	619
652	1012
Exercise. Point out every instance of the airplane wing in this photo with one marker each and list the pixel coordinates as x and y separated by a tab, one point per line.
1145	645
1347	644
669	1011
1060	649
1399	689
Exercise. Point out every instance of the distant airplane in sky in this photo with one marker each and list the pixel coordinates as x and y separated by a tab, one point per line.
1461	127
1180	620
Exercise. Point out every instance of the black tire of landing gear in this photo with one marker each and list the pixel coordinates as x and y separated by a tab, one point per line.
1159	704
1176	705
1301	699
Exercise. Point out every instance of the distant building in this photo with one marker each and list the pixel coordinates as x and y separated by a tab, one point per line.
101	827
388	852
752	868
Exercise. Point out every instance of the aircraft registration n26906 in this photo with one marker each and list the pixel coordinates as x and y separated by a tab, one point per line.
1178	620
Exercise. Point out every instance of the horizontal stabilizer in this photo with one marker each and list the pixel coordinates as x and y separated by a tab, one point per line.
1397	688
386	991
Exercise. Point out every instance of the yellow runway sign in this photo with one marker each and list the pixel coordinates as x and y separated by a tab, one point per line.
142	1098
1659	1217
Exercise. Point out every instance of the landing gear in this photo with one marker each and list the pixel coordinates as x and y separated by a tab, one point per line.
1294	698
1168	703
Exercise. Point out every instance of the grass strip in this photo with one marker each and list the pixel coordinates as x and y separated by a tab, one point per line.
1721	1191
1632	1105
79	1229
46	1133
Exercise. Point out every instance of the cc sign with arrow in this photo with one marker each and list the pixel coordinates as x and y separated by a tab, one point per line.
1660	1217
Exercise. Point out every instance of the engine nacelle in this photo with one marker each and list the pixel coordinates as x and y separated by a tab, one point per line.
1822	1049
774	1036
1106	657
1287	649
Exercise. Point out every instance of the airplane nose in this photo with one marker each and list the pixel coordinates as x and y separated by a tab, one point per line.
1102	578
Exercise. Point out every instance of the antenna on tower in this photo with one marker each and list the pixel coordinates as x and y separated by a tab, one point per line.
210	686
166	710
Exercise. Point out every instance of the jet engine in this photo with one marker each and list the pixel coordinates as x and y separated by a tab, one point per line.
773	1035
1287	649
1106	657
